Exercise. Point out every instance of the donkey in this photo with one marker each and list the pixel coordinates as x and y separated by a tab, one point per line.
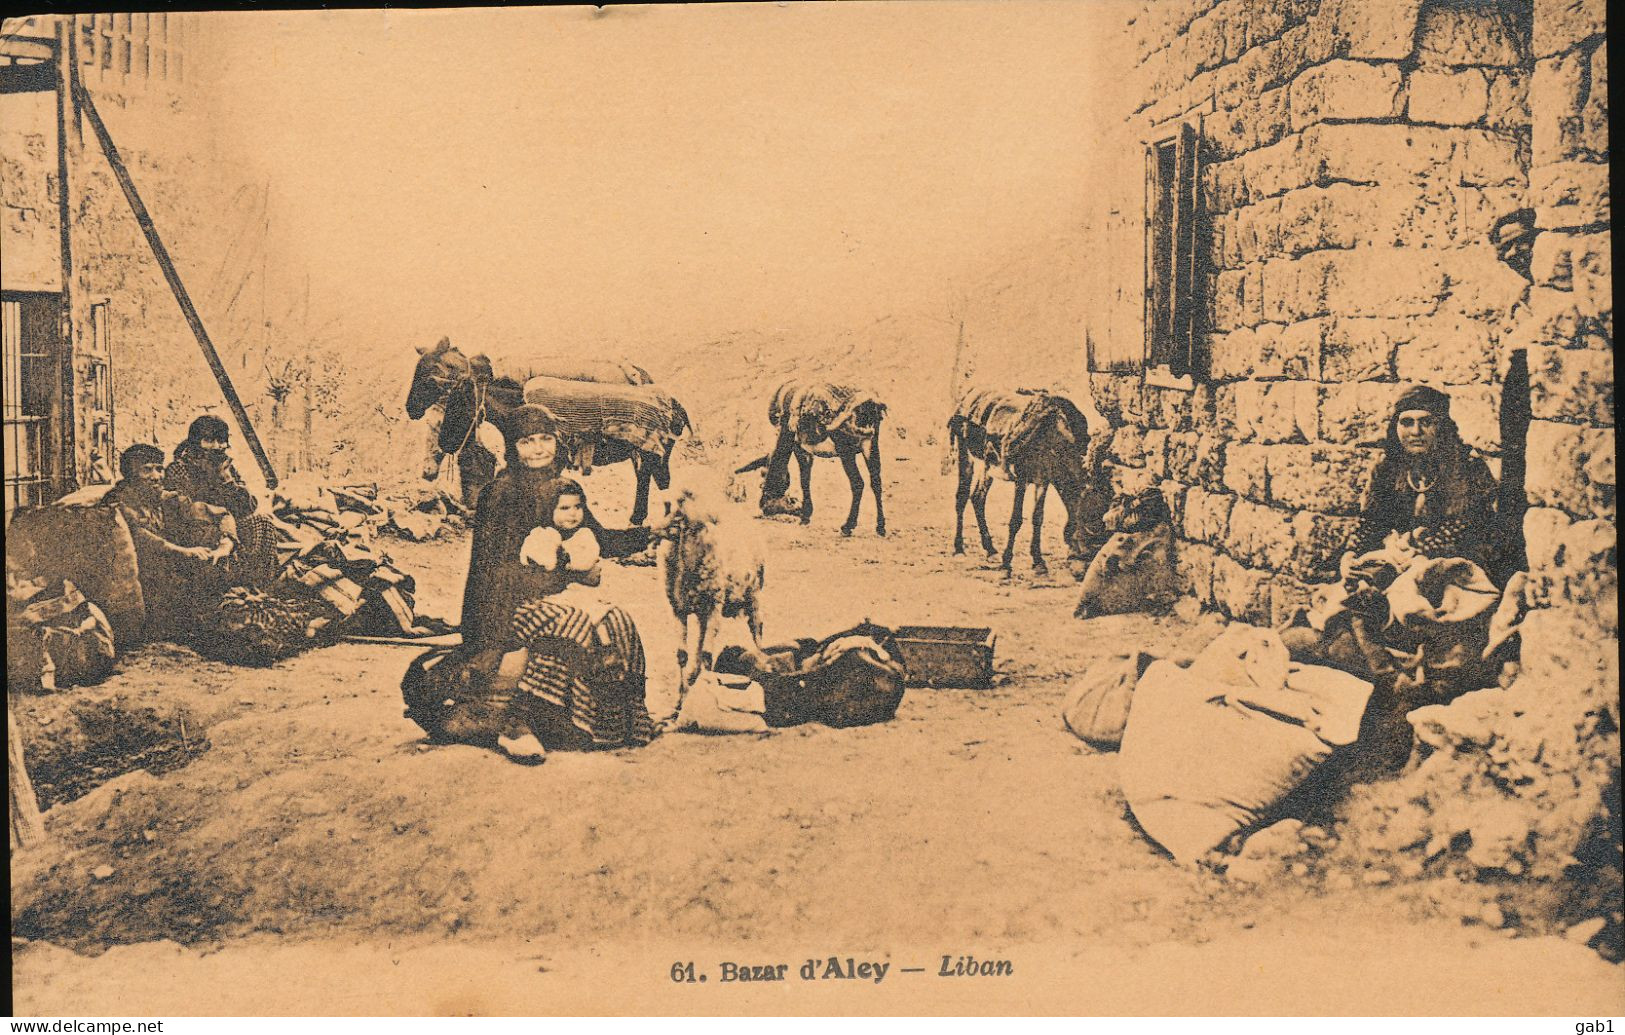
822	419
1027	438
599	422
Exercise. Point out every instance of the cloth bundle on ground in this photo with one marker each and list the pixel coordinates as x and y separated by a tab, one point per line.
250	626
1425	620
814	409
86	544
719	703
1097	709
1210	749
55	638
369	594
853	678
642	415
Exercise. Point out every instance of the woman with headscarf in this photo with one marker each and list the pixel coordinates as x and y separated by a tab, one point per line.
202	471
1429	487
582	681
1411	610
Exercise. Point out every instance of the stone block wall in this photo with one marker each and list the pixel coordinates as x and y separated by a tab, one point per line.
1571	526
1354	158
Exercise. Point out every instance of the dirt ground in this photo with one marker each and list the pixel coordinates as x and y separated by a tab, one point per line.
320	858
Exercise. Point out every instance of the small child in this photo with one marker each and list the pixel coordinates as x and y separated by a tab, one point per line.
569	543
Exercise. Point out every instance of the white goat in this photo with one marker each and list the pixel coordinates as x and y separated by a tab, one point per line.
714	570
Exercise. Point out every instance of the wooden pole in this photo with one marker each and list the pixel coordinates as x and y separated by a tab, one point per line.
160	253
65	478
27	828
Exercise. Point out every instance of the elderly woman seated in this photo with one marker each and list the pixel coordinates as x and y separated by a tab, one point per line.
1412	608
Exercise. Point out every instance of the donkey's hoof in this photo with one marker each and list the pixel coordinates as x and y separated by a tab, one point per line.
880	530
846	530
959	549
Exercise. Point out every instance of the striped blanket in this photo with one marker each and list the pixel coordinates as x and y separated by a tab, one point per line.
814	409
644	416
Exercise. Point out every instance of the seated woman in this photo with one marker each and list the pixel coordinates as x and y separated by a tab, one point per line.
581	677
1413	602
202	471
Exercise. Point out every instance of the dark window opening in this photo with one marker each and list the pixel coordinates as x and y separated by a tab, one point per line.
1173	213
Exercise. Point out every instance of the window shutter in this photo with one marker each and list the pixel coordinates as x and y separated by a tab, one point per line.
1182	297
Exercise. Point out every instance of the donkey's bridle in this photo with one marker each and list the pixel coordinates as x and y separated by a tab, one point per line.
479	406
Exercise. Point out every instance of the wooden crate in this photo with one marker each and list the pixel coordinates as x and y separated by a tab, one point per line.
943	656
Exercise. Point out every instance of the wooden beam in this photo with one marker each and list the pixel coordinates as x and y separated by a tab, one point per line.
188	310
32	48
64	430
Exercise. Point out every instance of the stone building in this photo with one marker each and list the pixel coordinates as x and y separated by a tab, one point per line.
1313	185
125	367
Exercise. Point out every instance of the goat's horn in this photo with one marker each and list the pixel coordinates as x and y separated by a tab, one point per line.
755	465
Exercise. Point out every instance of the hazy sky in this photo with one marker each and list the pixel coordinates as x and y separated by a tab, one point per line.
649	172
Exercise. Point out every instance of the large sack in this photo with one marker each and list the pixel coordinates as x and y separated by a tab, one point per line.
89	546
1097	709
449	692
723	704
58	640
1210	749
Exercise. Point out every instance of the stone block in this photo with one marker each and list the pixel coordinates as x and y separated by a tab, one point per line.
1357	413
1225	410
1362	349
1578	263
1564	24
1466	34
1320	540
1229	301
1373	32
1181	462
1210	450
1291	352
1194	562
1334	216
1507	108
1571	468
1234	355
1323	478
1558	95
1288	598
1486	159
1556	317
1276	411
1242	593
1346	90
1476	409
1573	385
1154	453
1570	195
1260	536
1246	471
1448	98
1207	516
1480	284
1450	350
1257	122
1593	136
1543	530
1385	154
1128	445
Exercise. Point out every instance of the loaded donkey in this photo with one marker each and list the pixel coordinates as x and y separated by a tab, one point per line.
1027	438
817	418
608	412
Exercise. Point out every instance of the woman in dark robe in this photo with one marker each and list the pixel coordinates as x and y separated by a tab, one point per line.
202	471
582	683
1429	486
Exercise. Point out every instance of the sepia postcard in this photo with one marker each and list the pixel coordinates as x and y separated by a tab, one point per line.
1041	508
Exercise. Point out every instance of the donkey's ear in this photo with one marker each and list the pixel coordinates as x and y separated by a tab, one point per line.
423	350
442	345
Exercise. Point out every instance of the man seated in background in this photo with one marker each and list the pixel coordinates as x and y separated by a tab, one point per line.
174	576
